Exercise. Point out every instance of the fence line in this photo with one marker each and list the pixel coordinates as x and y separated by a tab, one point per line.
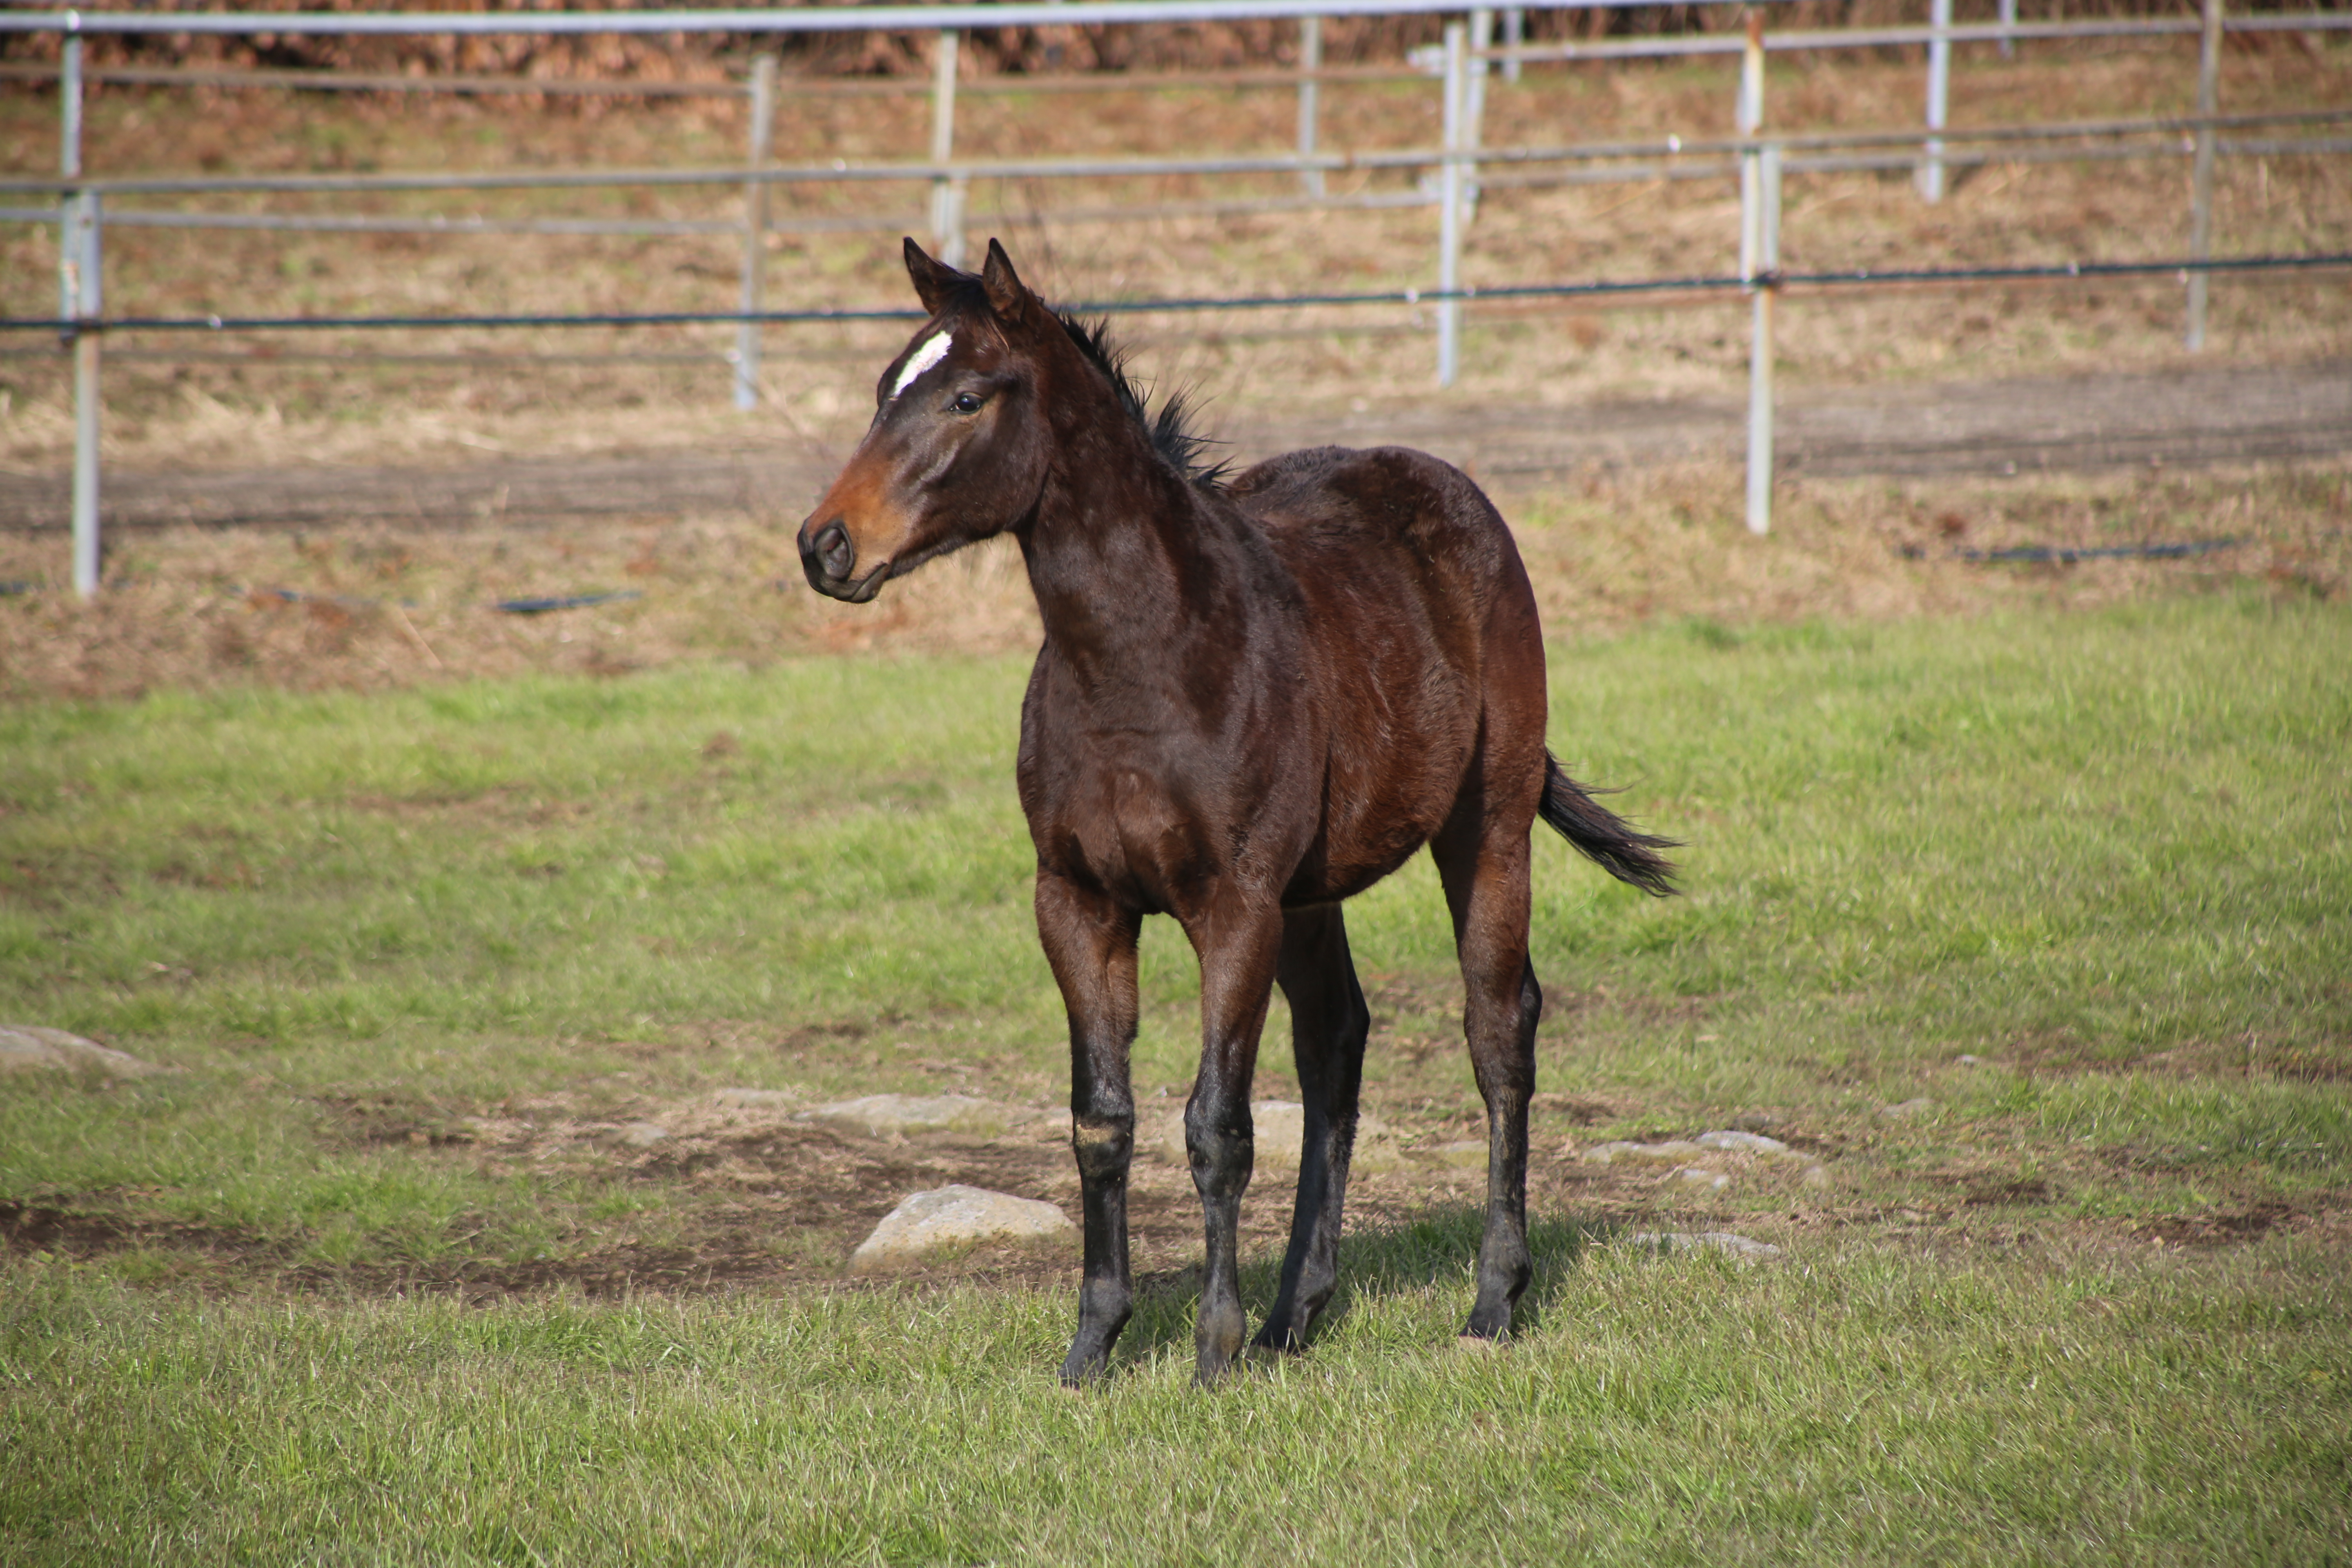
961	17
1743	281
843	171
1455	171
1510	55
796	85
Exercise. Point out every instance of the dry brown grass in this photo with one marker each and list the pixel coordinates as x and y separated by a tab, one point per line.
381	606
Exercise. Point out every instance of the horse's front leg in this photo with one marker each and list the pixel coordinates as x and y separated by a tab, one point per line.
1090	943
1238	944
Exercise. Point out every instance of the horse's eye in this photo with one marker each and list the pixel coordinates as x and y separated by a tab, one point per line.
966	403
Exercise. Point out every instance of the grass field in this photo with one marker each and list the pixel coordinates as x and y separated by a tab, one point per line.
370	1276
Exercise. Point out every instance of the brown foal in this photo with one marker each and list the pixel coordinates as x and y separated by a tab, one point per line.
1257	696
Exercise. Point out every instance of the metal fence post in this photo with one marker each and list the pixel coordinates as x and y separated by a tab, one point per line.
1939	89
1450	183
2200	212
1310	62
84	275
948	191
1759	259
79	276
1759	346
1474	112
2007	20
1515	33
1747	118
755	233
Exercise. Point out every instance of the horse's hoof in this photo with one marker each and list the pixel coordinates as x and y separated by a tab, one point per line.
1273	1341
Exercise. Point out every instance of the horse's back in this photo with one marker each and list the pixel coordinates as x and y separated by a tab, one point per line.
1372	494
1401	524
1424	649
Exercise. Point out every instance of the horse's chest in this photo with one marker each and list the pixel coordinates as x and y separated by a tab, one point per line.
1150	824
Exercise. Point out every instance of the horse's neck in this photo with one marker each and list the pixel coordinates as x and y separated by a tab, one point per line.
1127	567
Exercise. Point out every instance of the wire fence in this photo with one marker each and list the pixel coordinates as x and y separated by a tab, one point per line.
1450	175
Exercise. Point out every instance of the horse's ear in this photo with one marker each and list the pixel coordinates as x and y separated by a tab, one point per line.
1007	295
934	281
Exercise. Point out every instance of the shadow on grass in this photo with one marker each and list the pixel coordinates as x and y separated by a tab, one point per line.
1435	1249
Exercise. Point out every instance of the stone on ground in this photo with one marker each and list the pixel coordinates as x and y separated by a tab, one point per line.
643	1134
1674	1151
895	1115
1684	1150
953	1215
1746	1249
1754	1143
27	1046
1907	1110
1700	1177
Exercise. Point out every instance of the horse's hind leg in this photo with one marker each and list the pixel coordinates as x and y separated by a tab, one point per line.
1328	1023
1484	869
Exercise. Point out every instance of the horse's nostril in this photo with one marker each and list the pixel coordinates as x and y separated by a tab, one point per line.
835	551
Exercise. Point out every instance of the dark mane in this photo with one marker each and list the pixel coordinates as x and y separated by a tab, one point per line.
1173	437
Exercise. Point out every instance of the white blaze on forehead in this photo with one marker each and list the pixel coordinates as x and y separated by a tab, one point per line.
935	349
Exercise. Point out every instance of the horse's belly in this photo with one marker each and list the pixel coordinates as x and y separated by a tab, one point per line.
1385	799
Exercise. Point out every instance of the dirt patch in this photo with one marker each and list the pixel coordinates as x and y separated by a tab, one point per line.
2218	1229
1993	1192
27	1228
756	1198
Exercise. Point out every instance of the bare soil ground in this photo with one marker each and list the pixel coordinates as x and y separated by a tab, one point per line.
2188	417
769	1199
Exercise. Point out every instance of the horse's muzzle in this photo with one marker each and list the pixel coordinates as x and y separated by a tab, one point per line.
827	558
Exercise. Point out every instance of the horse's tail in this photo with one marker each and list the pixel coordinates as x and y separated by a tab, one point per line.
1607	837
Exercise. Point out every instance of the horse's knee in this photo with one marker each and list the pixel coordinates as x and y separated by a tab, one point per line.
1104	1145
1221	1152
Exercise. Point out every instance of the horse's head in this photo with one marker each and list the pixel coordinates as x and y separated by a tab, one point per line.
959	446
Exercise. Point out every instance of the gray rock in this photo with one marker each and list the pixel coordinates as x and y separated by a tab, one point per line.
24	1046
1745	1250
1908	1111
1746	1143
952	1216
1701	1177
643	1134
1968	1061
895	1115
1673	1151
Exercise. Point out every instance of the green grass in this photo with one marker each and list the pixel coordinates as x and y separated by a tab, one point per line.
2107	854
1864	1407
